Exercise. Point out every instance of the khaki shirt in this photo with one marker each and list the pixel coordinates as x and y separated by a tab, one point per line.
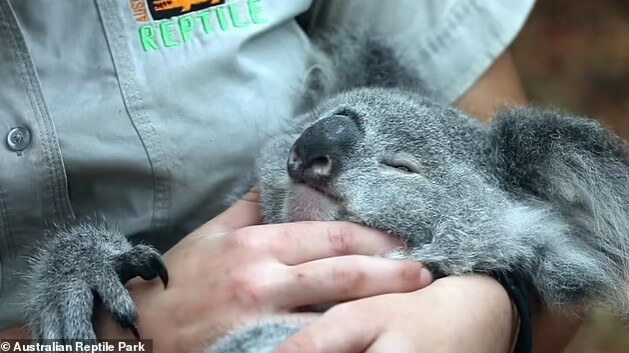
147	113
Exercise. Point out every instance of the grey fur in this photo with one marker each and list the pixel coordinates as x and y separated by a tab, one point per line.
536	191
80	264
262	337
526	193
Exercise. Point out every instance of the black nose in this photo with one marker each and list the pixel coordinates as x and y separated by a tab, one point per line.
320	151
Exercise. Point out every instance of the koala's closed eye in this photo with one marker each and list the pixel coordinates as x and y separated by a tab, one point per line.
401	164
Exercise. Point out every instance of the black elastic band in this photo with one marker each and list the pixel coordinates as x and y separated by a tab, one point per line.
519	292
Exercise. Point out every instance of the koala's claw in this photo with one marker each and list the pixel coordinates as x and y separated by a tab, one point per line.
128	323
79	265
134	330
141	261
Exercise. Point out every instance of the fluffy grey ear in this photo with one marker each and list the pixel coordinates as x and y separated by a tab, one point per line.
581	169
318	83
346	58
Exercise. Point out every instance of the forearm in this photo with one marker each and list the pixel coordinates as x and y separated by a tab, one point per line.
499	86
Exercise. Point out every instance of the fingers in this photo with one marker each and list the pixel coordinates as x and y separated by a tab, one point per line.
245	212
348	277
296	243
335	331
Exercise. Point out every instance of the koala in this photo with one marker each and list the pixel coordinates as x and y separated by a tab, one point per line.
535	192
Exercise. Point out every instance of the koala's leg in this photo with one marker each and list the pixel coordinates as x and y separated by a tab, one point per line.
78	265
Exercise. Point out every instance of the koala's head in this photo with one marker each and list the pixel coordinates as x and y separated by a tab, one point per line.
386	158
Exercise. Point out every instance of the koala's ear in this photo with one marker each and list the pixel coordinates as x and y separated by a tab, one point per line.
318	84
580	169
554	156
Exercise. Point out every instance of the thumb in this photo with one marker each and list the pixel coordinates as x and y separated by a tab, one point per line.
245	212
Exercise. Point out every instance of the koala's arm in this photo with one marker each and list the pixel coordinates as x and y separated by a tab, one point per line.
74	266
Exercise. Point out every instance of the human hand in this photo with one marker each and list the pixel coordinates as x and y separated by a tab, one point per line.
454	314
232	271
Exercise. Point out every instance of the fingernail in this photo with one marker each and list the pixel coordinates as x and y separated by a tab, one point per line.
425	276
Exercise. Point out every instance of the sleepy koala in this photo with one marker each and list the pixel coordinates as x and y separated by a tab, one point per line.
535	192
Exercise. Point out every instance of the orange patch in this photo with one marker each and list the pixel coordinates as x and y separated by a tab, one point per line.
139	10
183	5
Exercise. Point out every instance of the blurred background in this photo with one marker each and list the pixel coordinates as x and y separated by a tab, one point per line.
574	55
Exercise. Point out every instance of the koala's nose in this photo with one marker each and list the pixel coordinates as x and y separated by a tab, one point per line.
320	151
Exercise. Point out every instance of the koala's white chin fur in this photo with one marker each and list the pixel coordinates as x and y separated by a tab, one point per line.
304	203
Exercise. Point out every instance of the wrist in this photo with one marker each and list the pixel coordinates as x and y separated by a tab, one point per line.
485	303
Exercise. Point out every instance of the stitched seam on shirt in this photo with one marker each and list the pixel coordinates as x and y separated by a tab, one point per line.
134	104
4	211
20	64
491	50
161	189
448	32
460	20
435	44
62	209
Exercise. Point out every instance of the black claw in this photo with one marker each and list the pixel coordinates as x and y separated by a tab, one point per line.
128	322
134	330
162	271
143	262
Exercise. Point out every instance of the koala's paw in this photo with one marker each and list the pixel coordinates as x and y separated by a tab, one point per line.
75	267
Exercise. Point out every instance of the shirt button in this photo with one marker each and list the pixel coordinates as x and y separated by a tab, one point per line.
19	138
